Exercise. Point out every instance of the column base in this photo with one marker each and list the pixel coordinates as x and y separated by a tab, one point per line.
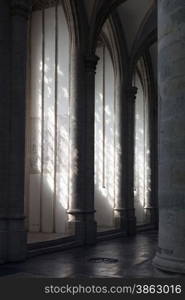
17	240
84	227
125	220
169	264
3	241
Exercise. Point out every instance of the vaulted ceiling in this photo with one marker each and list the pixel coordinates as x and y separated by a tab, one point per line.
131	13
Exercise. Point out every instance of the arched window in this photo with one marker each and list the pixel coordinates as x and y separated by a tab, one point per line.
142	184
104	138
47	169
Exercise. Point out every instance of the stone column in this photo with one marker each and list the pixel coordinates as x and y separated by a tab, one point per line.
170	255
120	215
90	70
124	212
4	123
81	209
130	210
16	229
77	145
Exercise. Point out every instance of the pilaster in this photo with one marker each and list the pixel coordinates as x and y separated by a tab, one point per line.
130	210
16	228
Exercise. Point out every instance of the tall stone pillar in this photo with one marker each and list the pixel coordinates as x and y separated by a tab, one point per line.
171	186
4	123
120	216
16	228
81	209
90	70
130	210
124	212
77	151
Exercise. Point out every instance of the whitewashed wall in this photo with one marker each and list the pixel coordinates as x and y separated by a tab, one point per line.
48	123
142	154
104	141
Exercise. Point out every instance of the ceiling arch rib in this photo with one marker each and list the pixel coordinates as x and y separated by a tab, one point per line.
102	10
131	14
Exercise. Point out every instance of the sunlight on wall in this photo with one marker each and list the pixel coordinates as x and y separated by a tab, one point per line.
104	140
142	185
49	122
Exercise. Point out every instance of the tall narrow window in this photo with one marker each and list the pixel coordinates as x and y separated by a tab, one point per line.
142	146
104	139
48	121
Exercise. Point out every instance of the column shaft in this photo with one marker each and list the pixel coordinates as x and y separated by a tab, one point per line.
121	126
4	123
81	210
131	219
16	228
171	192
124	213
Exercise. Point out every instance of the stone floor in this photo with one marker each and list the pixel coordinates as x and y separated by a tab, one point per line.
118	258
42	237
35	237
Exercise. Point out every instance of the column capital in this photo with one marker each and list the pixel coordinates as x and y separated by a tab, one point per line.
91	62
21	8
131	93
